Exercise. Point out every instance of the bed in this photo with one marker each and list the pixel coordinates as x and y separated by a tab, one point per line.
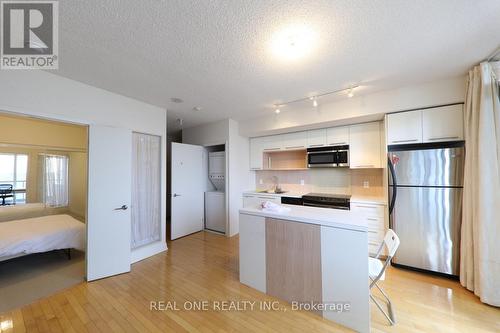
40	234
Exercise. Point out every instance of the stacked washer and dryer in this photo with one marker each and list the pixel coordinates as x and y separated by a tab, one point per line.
215	200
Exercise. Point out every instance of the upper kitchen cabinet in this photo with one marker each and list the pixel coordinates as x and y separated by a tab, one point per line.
443	124
364	146
316	138
404	127
256	153
272	143
294	141
336	136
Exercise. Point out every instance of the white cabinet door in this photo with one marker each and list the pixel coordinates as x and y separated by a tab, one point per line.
316	138
365	150
254	200
404	127
443	124
375	219
272	143
297	140
337	136
253	251
256	150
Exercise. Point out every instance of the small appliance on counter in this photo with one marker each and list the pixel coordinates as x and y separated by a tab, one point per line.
215	201
321	200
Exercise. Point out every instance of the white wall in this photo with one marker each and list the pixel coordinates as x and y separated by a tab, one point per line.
207	135
237	155
359	108
42	94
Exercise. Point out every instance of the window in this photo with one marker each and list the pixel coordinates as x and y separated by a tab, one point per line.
55	180
13	170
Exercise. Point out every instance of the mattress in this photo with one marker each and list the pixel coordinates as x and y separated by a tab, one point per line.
40	234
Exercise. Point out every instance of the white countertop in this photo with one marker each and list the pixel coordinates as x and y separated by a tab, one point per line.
369	200
286	194
337	218
354	198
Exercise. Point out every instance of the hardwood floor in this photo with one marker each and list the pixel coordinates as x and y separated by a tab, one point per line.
204	266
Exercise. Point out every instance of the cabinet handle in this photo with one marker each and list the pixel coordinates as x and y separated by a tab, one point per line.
372	219
267	149
401	141
318	145
363	206
337	143
364	166
444	138
265	198
294	147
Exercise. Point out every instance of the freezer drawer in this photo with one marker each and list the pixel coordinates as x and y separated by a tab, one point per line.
427	221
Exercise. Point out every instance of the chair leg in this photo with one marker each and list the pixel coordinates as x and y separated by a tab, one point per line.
390	316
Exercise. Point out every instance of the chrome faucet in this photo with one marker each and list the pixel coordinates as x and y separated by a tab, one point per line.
277	188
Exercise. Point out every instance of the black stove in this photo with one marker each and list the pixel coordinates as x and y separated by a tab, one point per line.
323	200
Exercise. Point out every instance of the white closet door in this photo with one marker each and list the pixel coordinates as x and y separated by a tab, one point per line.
109	190
146	182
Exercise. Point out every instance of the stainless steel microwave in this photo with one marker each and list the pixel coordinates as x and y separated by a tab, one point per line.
328	157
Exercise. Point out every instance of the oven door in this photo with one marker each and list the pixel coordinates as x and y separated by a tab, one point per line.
322	159
343	158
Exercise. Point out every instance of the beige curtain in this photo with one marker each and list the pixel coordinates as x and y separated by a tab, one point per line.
480	245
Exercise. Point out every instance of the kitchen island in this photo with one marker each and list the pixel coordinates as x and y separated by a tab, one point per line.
314	258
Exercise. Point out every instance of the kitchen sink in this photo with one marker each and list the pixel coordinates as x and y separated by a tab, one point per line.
271	192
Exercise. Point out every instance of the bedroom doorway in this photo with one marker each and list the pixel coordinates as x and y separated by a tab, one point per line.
43	207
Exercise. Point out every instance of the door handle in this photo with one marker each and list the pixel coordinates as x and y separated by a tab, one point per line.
124	207
176	195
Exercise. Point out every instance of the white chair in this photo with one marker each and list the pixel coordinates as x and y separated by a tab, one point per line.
377	271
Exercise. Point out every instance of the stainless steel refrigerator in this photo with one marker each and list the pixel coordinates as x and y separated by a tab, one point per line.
425	194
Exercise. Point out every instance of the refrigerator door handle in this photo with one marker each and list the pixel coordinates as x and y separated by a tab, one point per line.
394	185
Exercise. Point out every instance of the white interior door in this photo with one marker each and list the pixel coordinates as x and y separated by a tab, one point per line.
188	181
109	184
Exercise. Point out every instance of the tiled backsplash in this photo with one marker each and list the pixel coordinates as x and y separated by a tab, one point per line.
337	181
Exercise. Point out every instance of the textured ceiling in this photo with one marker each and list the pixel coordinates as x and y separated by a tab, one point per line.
215	54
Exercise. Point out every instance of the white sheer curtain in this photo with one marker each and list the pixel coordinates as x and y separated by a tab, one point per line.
146	182
480	246
55	180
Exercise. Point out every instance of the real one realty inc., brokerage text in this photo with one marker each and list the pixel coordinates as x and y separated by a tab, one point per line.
231	305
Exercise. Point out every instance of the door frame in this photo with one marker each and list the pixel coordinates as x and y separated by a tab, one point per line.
141	252
226	197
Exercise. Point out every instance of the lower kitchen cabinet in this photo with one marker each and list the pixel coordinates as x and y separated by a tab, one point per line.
252	200
375	219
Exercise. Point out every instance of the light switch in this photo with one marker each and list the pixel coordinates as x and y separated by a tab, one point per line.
366	184
302	182
261	181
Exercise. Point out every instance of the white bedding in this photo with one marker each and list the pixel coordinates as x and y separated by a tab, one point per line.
41	234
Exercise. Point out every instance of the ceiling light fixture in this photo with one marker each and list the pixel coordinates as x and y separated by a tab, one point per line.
197	108
314	99
176	100
293	42
350	93
315	102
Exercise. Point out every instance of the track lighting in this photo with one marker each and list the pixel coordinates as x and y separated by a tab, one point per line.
350	94
314	99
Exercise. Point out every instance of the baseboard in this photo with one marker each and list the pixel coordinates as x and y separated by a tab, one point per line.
147	251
